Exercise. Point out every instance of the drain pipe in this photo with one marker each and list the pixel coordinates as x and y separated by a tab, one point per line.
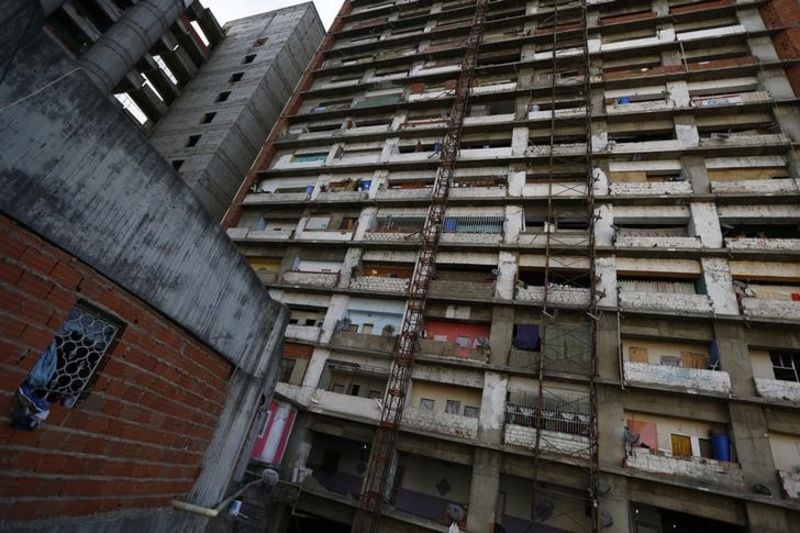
269	477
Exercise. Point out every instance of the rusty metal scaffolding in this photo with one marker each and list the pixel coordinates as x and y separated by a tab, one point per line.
569	262
407	345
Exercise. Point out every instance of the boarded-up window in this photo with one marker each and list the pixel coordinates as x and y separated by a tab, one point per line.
637	354
694	360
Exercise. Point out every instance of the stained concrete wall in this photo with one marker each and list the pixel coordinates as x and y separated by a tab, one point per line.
75	170
216	166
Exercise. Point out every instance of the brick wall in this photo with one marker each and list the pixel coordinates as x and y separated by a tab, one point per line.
785	15
138	437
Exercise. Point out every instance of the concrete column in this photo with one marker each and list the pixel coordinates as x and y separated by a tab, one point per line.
719	285
314	371
617	506
501	333
389	148
365	221
686	131
506	275
600	182
336	311
704	223
607	348
769	519
516	182
734	358
750	435
606	271
519	141
513	223
603	230
483	490
352	258
493	404
694	169
121	47
611	418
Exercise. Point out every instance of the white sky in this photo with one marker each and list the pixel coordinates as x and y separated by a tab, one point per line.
226	10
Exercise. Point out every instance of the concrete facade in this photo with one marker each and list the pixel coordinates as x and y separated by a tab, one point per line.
212	143
96	222
689	360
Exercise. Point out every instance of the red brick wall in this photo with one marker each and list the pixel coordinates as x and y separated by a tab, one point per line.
138	438
785	14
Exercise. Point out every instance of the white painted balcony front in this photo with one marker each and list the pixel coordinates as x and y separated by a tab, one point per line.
644	147
438	422
764	308
634	107
484	153
745	243
565	149
742	140
548	114
656	241
303	333
494	88
462	289
502	118
762	187
659	301
477	192
790	484
778	389
265	198
248	235
311	279
556	294
555	442
712	32
391	236
404	194
703	470
314	235
379	284
344	404
693	379
660	188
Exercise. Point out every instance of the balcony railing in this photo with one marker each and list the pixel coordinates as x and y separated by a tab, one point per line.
700	469
650	189
312	279
764	308
404	194
657	301
391	236
438	422
745	243
556	294
778	389
672	376
552	442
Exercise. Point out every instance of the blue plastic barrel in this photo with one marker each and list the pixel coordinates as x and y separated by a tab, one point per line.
721	446
365	185
309	189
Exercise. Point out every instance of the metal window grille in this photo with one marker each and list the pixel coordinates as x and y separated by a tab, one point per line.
473	224
561	410
81	343
400	224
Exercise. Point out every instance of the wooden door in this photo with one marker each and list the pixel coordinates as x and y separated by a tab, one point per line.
694	360
681	445
637	354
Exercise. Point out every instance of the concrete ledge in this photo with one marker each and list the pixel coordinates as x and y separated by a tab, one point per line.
707	471
688	378
776	389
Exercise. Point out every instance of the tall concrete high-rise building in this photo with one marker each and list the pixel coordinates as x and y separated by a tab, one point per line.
214	130
543	265
206	95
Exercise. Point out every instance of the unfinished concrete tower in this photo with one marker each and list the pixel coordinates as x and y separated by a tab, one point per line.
543	265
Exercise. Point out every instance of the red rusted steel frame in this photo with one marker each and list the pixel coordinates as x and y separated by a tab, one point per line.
367	519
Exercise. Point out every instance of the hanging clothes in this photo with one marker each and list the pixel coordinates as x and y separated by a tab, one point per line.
45	368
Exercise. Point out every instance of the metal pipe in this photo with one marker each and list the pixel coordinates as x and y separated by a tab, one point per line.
213	512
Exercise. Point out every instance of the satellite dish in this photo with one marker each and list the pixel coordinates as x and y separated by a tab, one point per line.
543	510
606	520
631	437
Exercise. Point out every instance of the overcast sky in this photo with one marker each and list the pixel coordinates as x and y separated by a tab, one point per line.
226	10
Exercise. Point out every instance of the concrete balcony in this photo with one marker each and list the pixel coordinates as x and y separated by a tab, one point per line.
341	196
495	88
554	442
656	301
246	235
438	422
442	288
471	238
404	194
501	118
644	147
778	389
763	308
543	150
324	235
743	140
539	238
705	472
760	187
344	404
379	284
646	241
778	245
390	236
477	192
265	198
303	333
564	189
635	107
693	379
267	276
325	280
362	341
548	114
449	349
556	294
790	484
661	188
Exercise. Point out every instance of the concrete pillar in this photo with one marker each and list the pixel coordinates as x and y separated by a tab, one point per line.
336	311
352	259
694	169
516	182
512	226
751	438
769	519
719	285
483	490
506	275
501	333
600	182
606	272
314	371
734	357
686	131
365	221
704	223
607	349
611	418
493	404
519	141
616	505
603	230
121	47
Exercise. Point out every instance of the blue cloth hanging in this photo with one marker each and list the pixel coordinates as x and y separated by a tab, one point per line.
45	368
526	337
